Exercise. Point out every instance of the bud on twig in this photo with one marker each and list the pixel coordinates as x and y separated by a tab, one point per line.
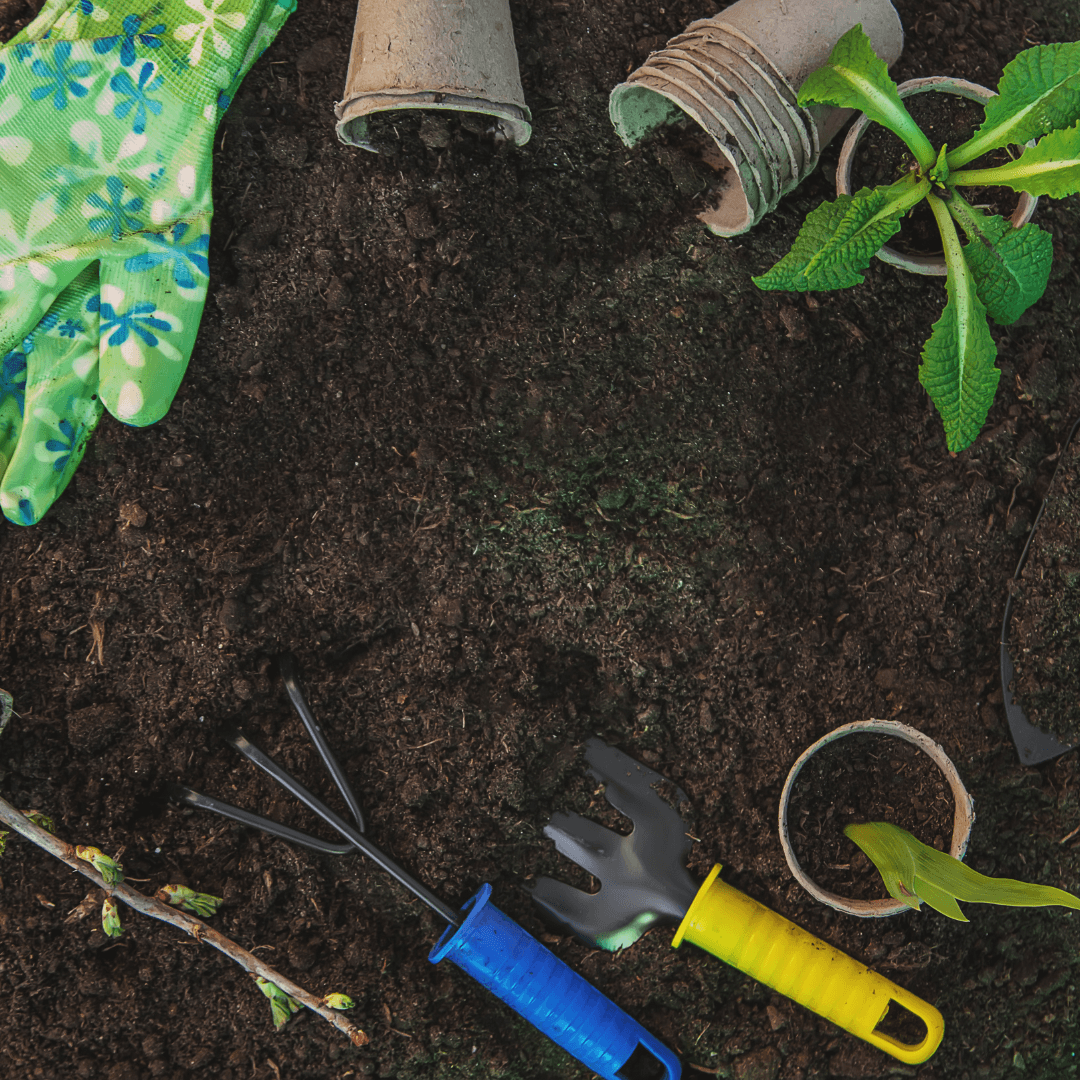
281	1005
198	903
110	918
43	821
109	869
339	1001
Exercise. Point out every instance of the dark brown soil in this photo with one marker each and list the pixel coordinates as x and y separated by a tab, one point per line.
1045	625
882	158
862	778
510	451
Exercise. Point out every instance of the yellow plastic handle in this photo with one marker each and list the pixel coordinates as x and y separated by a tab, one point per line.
773	950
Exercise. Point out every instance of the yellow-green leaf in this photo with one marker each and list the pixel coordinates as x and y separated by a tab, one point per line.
912	869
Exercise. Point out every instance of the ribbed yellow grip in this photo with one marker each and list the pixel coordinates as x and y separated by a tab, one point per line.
773	950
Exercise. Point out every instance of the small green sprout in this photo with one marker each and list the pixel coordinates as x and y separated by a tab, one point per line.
110	918
916	873
339	1001
281	1005
3	842
42	821
109	869
189	900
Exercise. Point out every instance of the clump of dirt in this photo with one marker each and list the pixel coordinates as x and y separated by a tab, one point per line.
1044	631
853	780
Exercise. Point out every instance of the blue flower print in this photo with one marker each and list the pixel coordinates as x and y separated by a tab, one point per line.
137	97
139	319
150	39
61	76
70	327
26	512
65	445
23	51
186	259
117	215
13	378
3	72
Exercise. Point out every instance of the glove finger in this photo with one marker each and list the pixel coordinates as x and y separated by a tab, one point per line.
150	308
53	384
28	289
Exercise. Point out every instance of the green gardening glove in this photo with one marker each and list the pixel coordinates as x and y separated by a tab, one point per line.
107	120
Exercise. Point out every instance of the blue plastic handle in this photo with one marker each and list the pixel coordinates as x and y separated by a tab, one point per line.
536	984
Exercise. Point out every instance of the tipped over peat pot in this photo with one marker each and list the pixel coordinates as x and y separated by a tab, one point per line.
736	76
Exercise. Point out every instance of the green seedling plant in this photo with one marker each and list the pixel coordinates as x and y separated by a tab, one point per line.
1000	271
916	874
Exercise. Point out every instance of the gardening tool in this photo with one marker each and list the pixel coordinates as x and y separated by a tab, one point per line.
643	881
1032	744
479	939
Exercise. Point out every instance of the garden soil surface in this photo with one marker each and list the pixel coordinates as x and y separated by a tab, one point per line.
509	451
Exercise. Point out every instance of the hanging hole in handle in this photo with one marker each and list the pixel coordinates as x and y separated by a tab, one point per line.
642	1064
901	1025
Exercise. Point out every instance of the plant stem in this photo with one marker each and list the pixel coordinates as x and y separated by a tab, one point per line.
1002	176
194	927
950	239
975	148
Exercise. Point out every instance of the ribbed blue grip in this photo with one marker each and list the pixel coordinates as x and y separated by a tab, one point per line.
535	983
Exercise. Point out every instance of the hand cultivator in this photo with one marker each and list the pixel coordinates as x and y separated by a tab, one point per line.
644	882
479	939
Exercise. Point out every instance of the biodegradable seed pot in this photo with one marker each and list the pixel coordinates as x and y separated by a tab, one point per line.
413	54
870	770
870	152
734	79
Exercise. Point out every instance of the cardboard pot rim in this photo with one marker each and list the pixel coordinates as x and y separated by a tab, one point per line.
929	265
963	818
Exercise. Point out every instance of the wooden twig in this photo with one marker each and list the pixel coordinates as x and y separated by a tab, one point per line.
196	928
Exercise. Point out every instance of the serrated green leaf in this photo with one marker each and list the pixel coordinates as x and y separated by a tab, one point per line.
855	77
1050	167
1010	266
838	239
912	869
1039	92
957	368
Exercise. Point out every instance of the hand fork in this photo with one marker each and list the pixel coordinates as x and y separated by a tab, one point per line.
480	939
643	882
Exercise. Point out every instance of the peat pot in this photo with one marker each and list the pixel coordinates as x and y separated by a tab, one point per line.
736	77
899	775
420	54
848	180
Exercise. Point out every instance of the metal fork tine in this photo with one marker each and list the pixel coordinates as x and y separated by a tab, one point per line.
589	844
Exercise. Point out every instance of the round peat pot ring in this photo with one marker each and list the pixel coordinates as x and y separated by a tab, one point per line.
887	772
415	54
887	151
